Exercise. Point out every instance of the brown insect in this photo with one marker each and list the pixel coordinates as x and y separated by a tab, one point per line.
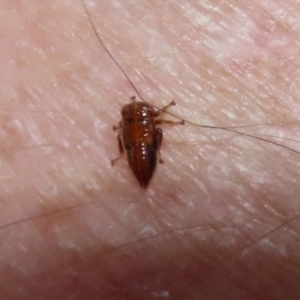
141	139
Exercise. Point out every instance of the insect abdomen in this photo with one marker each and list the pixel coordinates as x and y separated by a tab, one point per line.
142	161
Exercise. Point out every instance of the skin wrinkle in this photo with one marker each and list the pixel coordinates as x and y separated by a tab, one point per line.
213	78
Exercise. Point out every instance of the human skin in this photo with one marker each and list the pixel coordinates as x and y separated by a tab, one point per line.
219	219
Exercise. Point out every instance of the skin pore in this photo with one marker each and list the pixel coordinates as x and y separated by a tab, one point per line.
220	217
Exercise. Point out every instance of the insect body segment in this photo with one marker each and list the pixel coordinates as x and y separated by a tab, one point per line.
140	138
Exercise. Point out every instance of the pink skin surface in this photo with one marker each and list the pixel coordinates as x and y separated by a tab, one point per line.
220	217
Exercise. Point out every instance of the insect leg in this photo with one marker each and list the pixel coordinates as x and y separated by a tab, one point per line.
118	127
120	143
164	109
159	136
